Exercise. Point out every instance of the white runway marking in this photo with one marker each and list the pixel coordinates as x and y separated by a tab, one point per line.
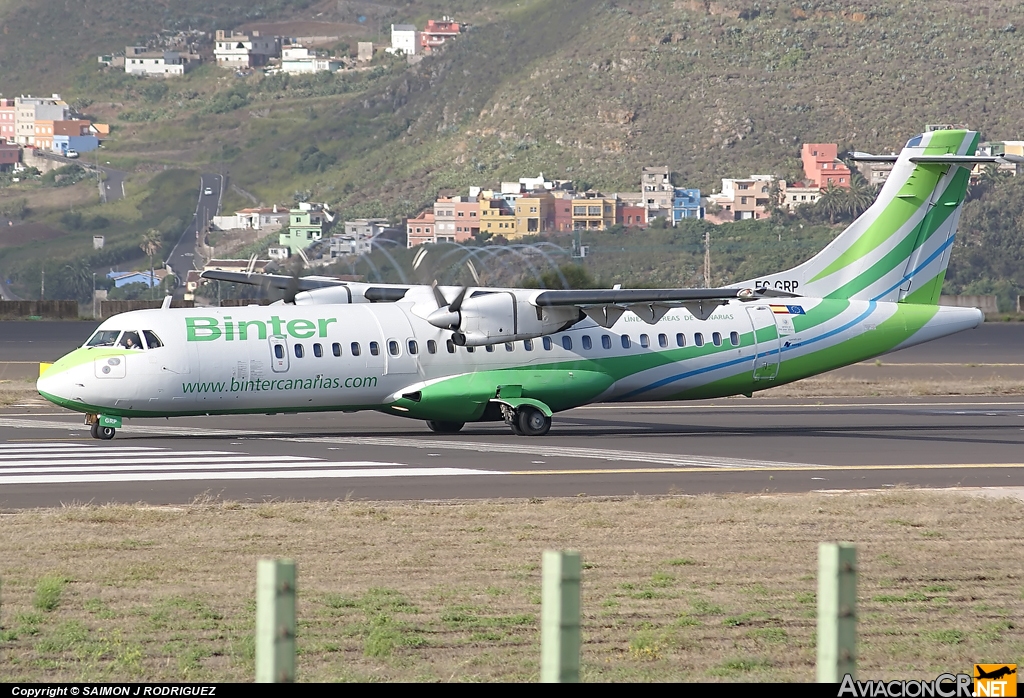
556	451
64	463
131	428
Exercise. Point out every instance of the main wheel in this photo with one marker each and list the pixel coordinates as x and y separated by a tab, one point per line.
532	422
105	433
94	430
445	427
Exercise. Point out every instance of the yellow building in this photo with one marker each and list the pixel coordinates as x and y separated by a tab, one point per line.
535	213
593	212
497	217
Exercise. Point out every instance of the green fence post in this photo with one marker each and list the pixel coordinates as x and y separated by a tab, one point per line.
560	617
837	611
275	621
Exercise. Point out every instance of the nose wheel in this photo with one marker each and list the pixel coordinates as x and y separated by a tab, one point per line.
102	433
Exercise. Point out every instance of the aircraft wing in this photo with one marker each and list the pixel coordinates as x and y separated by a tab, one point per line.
304	283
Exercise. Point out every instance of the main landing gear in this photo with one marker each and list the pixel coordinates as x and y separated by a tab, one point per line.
526	420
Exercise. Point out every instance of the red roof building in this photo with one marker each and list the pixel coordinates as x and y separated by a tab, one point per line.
437	32
822	165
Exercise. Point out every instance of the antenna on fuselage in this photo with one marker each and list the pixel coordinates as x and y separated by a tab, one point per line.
167	302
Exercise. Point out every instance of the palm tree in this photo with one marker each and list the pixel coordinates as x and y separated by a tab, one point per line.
834	202
860	195
150	246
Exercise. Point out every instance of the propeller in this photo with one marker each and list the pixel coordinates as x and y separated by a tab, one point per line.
297	265
447	315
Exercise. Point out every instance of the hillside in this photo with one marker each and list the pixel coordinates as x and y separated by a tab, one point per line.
587	89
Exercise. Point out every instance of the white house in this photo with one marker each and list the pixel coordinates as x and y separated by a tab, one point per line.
297	59
236	50
160	63
404	40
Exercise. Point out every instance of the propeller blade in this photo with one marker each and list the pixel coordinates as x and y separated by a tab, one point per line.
438	296
456	305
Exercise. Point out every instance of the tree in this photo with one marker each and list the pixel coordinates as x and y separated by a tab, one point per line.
834	202
860	196
150	246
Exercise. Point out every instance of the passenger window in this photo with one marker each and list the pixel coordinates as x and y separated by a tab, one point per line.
662	340
680	339
451	346
734	338
393	347
586	342
645	341
152	341
374	349
528	344
336	348
318	350
130	340
698	339
606	341
509	346
298	351
103	338
547	343
414	348
278	351
716	338
490	348
567	343
431	346
355	348
625	341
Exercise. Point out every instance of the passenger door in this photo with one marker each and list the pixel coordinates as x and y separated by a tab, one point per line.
766	342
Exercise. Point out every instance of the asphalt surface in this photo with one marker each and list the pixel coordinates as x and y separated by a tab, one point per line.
992	343
732	445
47	458
181	260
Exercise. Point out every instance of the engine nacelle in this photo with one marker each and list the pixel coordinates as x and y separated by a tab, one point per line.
501	316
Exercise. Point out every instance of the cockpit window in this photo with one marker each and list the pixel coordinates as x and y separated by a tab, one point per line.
130	340
103	338
151	339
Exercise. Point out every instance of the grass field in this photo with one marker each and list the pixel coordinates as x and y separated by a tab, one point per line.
688	588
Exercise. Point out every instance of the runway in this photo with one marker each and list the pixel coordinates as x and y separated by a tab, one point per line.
735	445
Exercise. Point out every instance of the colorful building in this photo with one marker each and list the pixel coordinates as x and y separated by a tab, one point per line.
593	211
420	230
497	216
631	215
456	218
306	225
822	166
686	204
437	32
7	131
562	213
742	199
535	213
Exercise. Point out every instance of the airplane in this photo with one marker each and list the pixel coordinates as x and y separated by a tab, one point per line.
454	355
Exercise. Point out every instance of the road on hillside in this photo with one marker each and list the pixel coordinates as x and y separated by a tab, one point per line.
112	185
181	260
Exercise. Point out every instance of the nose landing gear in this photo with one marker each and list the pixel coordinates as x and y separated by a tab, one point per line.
102	427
